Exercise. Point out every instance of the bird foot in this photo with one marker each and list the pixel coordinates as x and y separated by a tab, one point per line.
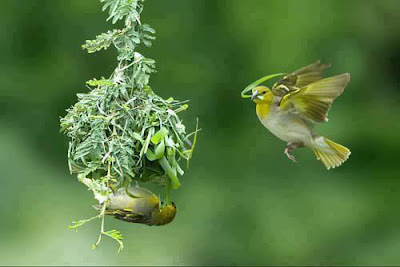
290	156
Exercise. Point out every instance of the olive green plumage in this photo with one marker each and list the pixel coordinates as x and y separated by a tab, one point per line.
139	205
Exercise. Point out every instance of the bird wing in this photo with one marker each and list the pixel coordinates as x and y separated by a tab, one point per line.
299	78
122	214
136	200
313	101
129	216
139	192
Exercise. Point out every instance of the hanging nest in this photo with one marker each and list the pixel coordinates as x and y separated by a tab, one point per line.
121	131
136	130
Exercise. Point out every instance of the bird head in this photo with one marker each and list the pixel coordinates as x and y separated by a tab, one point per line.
261	94
164	215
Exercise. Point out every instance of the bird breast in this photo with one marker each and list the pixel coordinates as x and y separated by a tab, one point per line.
286	126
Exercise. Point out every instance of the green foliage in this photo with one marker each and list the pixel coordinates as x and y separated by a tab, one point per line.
127	39
105	126
120	9
76	224
117	236
121	131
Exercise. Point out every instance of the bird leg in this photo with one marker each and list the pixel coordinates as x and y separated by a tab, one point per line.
290	147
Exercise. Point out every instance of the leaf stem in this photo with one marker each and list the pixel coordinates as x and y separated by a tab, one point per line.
259	81
103	209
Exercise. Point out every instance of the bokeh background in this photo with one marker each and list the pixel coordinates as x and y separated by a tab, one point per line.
242	201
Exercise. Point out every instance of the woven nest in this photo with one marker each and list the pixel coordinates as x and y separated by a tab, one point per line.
134	131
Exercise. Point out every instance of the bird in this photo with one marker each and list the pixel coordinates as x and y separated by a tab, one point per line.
139	205
295	104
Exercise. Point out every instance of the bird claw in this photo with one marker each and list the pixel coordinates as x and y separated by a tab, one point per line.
290	156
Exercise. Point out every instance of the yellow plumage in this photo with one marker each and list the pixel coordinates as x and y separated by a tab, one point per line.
139	205
295	104
333	157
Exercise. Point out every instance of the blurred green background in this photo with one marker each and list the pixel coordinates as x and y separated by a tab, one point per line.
242	201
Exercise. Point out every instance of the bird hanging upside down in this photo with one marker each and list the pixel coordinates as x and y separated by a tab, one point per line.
297	102
139	205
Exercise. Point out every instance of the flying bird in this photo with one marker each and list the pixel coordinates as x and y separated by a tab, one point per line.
295	104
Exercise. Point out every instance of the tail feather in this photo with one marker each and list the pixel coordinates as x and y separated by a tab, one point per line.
330	153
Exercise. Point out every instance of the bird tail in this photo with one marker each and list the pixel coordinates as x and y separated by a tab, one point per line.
330	153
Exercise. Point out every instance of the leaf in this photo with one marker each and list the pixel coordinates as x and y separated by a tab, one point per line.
138	137
150	155
117	236
158	136
146	144
76	224
160	149
158	153
179	169
170	172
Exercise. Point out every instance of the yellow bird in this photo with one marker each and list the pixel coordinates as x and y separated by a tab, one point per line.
297	102
139	205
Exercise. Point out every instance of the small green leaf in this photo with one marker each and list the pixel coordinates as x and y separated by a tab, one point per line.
150	155
182	108
169	142
117	236
147	143
179	169
158	136
138	137
158	153
76	224
170	172
171	151
160	149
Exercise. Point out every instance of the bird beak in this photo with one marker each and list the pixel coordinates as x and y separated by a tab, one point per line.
254	95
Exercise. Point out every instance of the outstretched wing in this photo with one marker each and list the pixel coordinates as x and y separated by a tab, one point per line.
299	78
313	101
